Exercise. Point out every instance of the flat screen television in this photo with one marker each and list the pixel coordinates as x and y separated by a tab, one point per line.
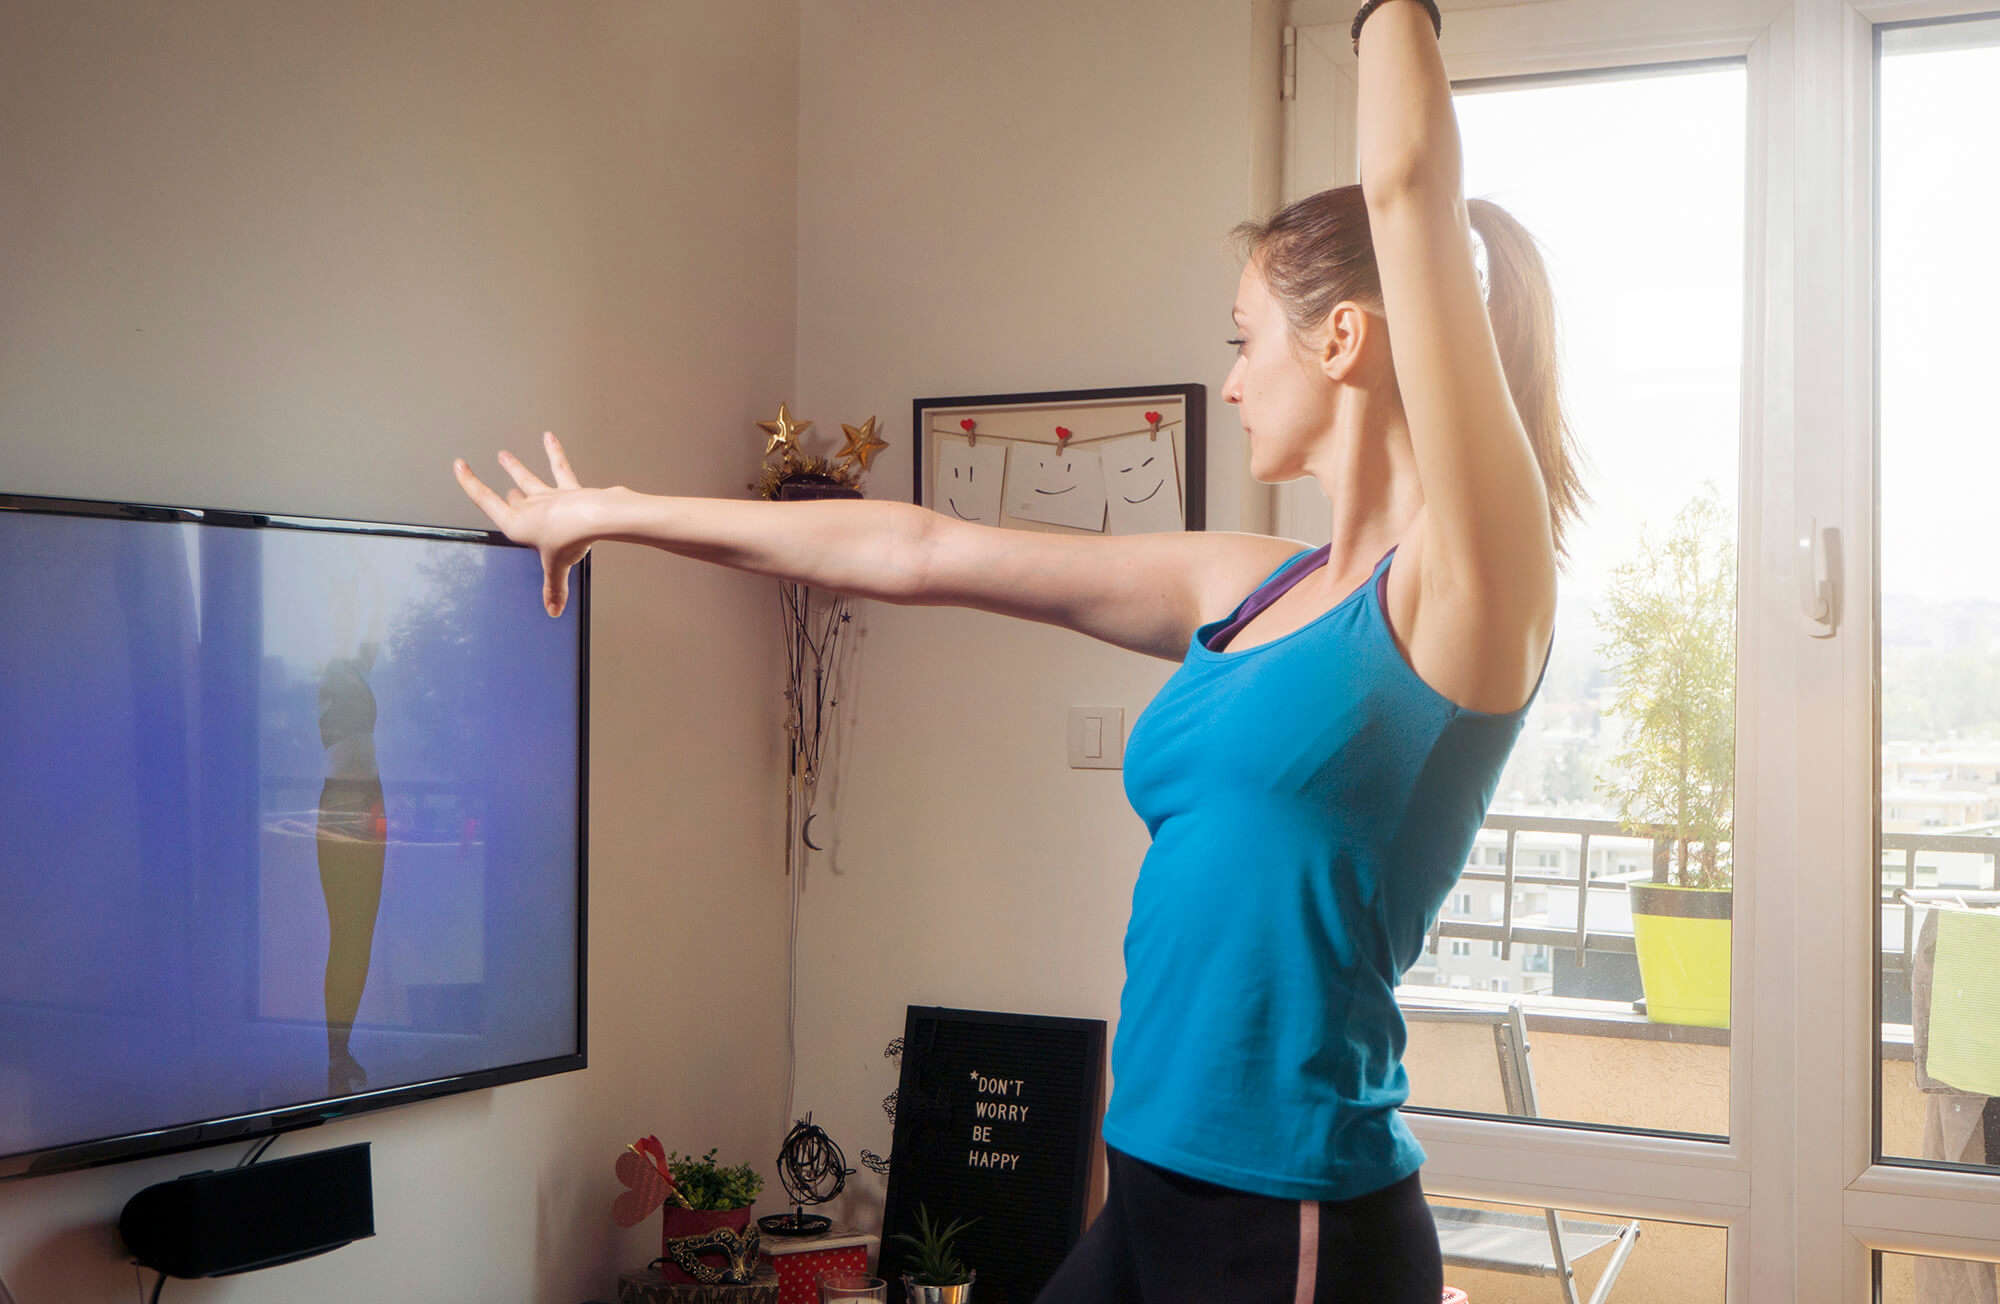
292	823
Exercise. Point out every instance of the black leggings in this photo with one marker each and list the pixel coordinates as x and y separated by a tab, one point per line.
1167	1239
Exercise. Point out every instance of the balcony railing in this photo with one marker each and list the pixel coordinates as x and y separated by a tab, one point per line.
1905	846
1582	939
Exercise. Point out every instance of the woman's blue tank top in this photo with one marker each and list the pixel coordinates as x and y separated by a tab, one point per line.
1311	802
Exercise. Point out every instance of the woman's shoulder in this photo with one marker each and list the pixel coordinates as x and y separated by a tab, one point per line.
1238	563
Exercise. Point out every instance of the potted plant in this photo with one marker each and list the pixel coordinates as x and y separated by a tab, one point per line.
937	1276
1670	641
707	1207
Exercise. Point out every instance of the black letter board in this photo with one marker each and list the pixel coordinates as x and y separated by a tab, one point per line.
995	1118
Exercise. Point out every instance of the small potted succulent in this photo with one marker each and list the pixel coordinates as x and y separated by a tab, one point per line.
707	1208
937	1276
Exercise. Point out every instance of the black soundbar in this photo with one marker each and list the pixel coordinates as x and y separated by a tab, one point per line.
211	1224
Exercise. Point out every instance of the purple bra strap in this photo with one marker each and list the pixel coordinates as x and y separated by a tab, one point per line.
1271	590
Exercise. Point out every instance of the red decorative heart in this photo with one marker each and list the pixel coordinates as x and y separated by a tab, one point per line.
1153	418
967	425
1062	432
649	1190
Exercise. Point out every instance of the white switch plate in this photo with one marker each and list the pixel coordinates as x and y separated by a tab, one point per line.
1106	739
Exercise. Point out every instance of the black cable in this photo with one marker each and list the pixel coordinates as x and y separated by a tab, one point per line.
256	1151
158	1286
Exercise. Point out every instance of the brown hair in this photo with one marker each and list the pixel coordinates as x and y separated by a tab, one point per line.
1317	252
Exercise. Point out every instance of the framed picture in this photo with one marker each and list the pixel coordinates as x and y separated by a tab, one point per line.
1082	461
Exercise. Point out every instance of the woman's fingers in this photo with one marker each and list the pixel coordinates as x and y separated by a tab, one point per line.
485	499
528	480
559	461
518	517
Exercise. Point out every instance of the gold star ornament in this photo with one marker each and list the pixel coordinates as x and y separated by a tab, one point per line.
862	445
784	432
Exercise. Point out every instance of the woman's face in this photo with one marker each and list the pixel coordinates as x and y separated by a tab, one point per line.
1283	395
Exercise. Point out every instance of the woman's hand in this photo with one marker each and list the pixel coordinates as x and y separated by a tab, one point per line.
555	520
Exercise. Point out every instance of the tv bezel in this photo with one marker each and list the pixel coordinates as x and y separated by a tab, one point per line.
259	1124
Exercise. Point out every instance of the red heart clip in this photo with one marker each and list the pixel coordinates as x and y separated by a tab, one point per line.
1062	437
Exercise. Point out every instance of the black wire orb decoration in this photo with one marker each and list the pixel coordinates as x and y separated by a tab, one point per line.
812	1171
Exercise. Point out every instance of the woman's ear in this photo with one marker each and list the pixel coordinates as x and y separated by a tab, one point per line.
1349	335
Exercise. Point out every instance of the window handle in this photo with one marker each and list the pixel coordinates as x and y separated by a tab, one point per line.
1819	578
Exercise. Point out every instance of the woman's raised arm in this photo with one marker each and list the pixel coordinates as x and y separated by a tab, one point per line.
1487	540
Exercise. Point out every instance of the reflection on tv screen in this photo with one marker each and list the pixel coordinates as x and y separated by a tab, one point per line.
286	815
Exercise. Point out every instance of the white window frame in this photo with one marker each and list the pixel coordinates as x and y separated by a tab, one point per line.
1804	1217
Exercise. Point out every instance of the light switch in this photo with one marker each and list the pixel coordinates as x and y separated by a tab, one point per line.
1096	737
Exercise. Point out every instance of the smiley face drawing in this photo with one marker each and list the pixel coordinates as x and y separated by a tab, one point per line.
966	481
1142	485
1056	486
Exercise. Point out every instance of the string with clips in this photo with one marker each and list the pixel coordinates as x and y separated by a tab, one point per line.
1064	437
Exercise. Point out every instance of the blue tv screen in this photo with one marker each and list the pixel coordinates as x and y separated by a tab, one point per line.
291	823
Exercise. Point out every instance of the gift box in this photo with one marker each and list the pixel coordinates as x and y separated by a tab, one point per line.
800	1260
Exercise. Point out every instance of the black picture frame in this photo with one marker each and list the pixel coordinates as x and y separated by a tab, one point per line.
1031	1211
1188	428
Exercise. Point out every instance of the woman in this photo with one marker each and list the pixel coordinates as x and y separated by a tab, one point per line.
1315	771
352	842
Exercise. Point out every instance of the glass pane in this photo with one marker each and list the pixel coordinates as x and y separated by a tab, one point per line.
1503	1254
1937	189
1632	184
1927	1279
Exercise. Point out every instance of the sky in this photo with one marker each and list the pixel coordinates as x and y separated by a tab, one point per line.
1635	191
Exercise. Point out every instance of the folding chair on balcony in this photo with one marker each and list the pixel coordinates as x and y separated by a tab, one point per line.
1545	1244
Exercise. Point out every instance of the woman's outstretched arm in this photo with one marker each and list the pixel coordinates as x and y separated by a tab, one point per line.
1146	592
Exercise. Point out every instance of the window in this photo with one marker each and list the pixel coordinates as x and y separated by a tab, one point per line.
1821	365
1940	696
1650	357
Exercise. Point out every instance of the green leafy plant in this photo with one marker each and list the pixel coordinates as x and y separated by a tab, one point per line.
1670	643
937	1259
704	1185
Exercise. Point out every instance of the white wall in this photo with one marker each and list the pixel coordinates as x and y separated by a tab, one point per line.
289	259
997	199
296	258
